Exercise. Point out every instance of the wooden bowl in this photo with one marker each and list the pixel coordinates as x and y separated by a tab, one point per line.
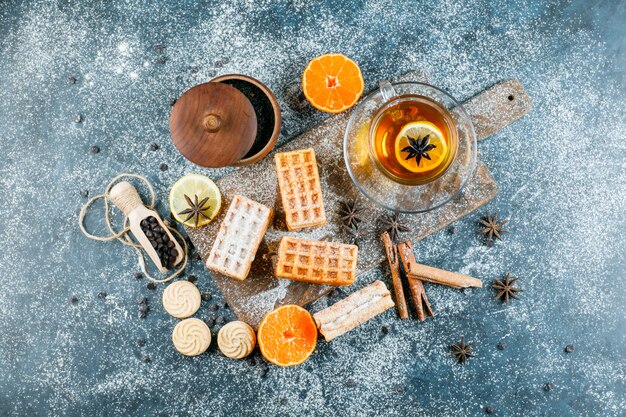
268	131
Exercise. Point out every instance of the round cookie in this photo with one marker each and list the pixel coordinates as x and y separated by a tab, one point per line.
236	340
191	337
181	299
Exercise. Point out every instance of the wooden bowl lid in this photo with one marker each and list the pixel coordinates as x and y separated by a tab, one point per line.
213	125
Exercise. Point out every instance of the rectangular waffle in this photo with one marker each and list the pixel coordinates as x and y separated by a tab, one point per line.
327	263
300	189
239	237
353	310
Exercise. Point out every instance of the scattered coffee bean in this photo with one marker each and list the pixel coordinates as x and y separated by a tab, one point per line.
210	322
141	341
250	361
489	410
213	307
211	73
138	275
549	386
154	147
102	295
146	358
74	299
452	230
192	279
569	348
385	329
84	193
206	296
263	371
71	79
489	243
283	401
221	304
163	167
151	286
172	101
193	69
501	345
159	48
220	320
142	300
351	383
221	62
399	388
94	149
334	293
161	59
78	118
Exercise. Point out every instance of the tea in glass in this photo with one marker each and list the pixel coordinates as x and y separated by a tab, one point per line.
413	139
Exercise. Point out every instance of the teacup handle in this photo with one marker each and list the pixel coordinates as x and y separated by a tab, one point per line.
387	90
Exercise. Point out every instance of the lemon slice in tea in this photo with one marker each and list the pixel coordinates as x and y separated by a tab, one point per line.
195	200
437	147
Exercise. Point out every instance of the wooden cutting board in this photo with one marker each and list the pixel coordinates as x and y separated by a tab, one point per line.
251	299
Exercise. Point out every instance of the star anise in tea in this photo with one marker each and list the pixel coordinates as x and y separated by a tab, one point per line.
394	226
196	209
493	227
462	351
506	288
419	148
350	213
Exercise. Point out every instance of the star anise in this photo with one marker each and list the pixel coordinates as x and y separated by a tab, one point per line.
492	226
350	213
357	234
462	351
196	209
506	288
394	226
419	148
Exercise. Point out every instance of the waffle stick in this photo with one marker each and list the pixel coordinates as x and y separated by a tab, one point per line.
430	274
317	262
300	189
239	237
394	267
353	310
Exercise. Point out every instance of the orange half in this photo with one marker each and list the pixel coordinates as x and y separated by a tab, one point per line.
332	83
287	335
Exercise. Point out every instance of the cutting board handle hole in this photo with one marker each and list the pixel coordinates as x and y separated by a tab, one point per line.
511	97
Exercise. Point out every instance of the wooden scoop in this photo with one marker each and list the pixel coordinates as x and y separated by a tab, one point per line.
124	195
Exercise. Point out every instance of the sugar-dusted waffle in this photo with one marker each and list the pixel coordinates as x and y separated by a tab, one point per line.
239	237
328	263
300	189
353	310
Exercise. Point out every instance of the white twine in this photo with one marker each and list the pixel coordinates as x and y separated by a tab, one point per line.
123	235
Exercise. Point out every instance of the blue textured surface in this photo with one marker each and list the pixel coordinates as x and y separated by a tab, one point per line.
560	171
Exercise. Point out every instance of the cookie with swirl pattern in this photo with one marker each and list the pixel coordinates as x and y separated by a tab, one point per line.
191	337
236	340
181	299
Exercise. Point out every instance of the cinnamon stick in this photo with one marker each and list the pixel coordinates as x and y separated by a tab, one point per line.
430	274
419	298
394	266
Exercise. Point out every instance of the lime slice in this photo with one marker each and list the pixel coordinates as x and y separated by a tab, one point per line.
419	130
192	190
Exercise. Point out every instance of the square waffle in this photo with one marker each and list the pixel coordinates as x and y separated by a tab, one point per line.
239	237
300	189
328	263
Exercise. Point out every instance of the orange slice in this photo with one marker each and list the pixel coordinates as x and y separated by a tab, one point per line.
332	83
420	130
287	336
